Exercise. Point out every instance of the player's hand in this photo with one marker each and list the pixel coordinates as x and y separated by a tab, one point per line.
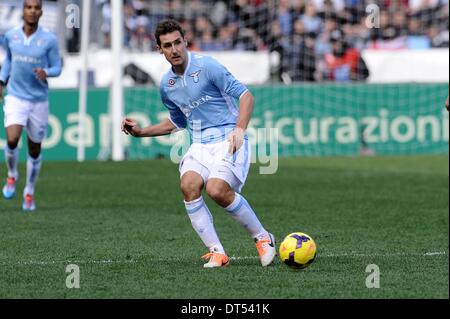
446	104
131	127
40	74
236	139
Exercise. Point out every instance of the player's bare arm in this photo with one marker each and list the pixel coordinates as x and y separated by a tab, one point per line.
236	138
446	105
131	127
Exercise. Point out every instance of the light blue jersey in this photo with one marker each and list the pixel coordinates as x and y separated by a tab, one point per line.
23	54
203	100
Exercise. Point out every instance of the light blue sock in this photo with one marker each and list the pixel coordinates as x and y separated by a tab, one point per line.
202	222
241	211
12	161
33	169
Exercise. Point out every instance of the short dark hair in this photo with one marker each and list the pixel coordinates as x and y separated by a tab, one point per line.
25	2
165	27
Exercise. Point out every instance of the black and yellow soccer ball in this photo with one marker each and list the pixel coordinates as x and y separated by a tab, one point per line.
297	250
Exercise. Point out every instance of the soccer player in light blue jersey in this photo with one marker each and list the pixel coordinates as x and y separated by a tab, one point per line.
201	96
32	55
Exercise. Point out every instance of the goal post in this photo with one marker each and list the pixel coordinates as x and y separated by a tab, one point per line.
117	103
82	106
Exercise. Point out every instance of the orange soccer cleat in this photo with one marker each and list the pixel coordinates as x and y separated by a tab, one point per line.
28	203
266	249
9	190
216	260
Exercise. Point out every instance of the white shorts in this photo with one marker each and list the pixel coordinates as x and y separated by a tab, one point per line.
214	161
31	115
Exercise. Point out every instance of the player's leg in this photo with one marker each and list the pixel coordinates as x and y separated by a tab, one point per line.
13	133
16	113
224	188
192	183
220	189
34	164
36	131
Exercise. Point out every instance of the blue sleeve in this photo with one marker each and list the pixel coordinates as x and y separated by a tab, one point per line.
176	116
6	67
54	60
224	80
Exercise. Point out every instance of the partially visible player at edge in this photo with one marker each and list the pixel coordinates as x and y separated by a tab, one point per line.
201	95
32	55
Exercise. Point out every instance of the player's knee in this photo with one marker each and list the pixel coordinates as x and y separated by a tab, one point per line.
218	191
34	151
191	190
213	192
12	143
34	154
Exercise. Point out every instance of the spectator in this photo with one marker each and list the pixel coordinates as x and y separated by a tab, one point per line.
130	22
298	8
415	26
323	44
248	40
190	37
344	63
308	66
299	61
106	22
277	47
439	39
202	23
225	38
244	12
310	19
292	58
285	17
326	5
399	24
141	37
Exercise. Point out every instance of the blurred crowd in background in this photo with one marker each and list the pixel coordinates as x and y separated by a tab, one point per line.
308	40
313	39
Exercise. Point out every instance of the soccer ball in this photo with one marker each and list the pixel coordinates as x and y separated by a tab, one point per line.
297	250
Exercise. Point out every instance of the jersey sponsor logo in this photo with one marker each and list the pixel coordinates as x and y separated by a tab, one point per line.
196	76
187	109
201	101
25	59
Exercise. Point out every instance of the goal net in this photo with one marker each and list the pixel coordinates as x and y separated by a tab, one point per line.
331	78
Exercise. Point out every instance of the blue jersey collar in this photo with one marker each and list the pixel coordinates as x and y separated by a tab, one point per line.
27	40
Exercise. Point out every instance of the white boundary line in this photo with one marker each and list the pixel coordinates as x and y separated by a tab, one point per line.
398	254
355	254
131	261
67	262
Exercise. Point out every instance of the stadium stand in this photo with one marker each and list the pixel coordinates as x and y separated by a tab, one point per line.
303	33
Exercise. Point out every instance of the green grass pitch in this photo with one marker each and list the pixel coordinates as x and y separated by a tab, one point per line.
125	226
